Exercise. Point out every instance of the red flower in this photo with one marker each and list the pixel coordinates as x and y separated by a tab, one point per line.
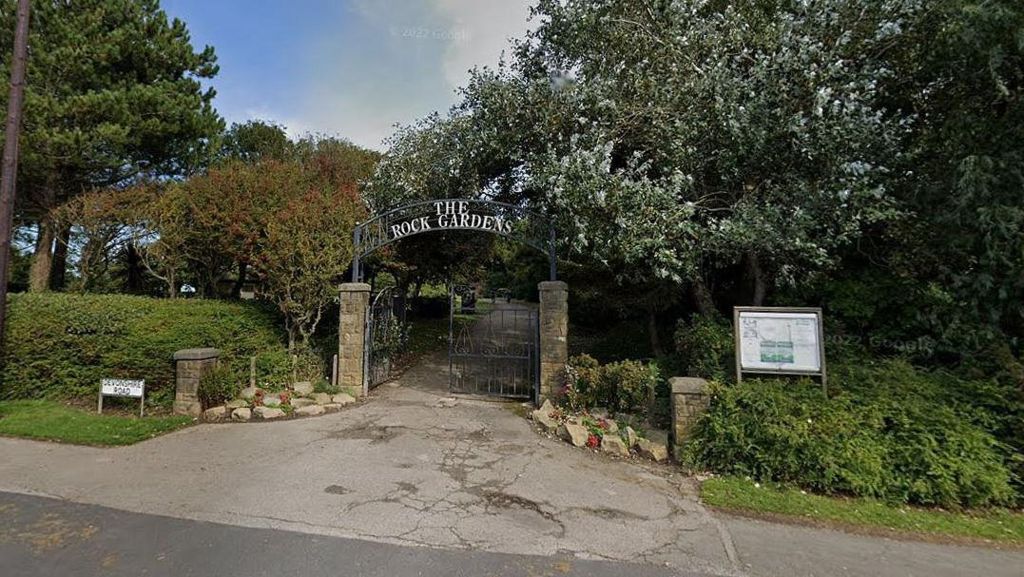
593	441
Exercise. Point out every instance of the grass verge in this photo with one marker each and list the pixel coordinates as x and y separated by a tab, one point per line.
732	494
52	421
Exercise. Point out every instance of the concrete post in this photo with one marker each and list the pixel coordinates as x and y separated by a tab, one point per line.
355	300
554	341
689	402
189	367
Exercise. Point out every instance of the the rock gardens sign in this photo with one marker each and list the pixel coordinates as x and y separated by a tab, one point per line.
452	215
441	215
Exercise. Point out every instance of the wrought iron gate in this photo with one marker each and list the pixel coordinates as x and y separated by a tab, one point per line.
496	355
385	336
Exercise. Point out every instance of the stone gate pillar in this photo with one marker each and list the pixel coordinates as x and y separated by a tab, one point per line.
554	337
190	365
355	299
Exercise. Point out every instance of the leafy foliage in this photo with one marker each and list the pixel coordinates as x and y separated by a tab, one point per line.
217	386
621	387
59	346
281	223
887	431
706	346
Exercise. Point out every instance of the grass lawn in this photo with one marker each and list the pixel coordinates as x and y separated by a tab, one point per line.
53	421
743	496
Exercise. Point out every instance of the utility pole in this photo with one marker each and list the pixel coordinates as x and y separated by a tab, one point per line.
9	168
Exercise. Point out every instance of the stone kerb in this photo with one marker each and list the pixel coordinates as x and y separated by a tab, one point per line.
190	365
355	300
554	333
690	400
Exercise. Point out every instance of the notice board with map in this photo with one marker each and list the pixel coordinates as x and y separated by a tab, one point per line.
786	341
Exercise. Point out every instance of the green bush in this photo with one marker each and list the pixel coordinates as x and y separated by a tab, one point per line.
887	431
325	386
60	345
217	387
625	386
275	369
706	347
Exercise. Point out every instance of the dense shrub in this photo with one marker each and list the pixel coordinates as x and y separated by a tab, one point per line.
217	386
625	386
61	345
706	347
887	431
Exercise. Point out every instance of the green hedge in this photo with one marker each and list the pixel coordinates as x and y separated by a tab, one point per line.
60	345
887	430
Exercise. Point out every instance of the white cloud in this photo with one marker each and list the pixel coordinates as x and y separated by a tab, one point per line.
483	30
378	63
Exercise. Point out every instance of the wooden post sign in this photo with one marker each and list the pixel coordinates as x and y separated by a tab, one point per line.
780	341
131	388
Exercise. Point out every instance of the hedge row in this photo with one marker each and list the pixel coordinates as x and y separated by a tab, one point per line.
59	346
887	430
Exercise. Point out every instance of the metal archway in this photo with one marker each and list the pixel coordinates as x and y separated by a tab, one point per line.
437	215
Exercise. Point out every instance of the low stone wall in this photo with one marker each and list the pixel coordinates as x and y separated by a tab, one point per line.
689	402
189	367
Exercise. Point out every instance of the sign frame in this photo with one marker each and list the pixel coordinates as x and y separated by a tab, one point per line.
822	373
112	382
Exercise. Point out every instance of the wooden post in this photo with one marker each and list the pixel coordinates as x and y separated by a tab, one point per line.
252	372
9	169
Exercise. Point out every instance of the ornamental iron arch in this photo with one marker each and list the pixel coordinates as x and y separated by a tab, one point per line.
503	219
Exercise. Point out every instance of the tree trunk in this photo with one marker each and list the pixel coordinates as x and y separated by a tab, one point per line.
172	285
758	283
133	280
236	289
652	332
58	272
702	301
9	165
42	260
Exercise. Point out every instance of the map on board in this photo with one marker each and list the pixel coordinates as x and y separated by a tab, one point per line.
779	341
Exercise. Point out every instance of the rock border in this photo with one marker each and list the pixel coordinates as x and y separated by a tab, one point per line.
299	401
597	433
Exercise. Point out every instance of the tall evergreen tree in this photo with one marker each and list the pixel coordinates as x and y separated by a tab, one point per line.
114	95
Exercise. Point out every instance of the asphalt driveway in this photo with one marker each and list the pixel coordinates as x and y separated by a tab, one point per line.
415	467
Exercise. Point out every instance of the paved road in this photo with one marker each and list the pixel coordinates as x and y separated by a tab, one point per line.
456	479
40	536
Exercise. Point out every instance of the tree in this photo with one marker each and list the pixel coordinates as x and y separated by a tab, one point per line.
113	96
256	140
671	140
287	221
305	254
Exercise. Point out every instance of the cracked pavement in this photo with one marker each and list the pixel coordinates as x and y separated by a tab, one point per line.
415	467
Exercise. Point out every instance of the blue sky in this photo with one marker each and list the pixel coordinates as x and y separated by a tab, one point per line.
352	68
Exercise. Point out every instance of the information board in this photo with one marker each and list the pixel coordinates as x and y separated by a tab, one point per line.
779	340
